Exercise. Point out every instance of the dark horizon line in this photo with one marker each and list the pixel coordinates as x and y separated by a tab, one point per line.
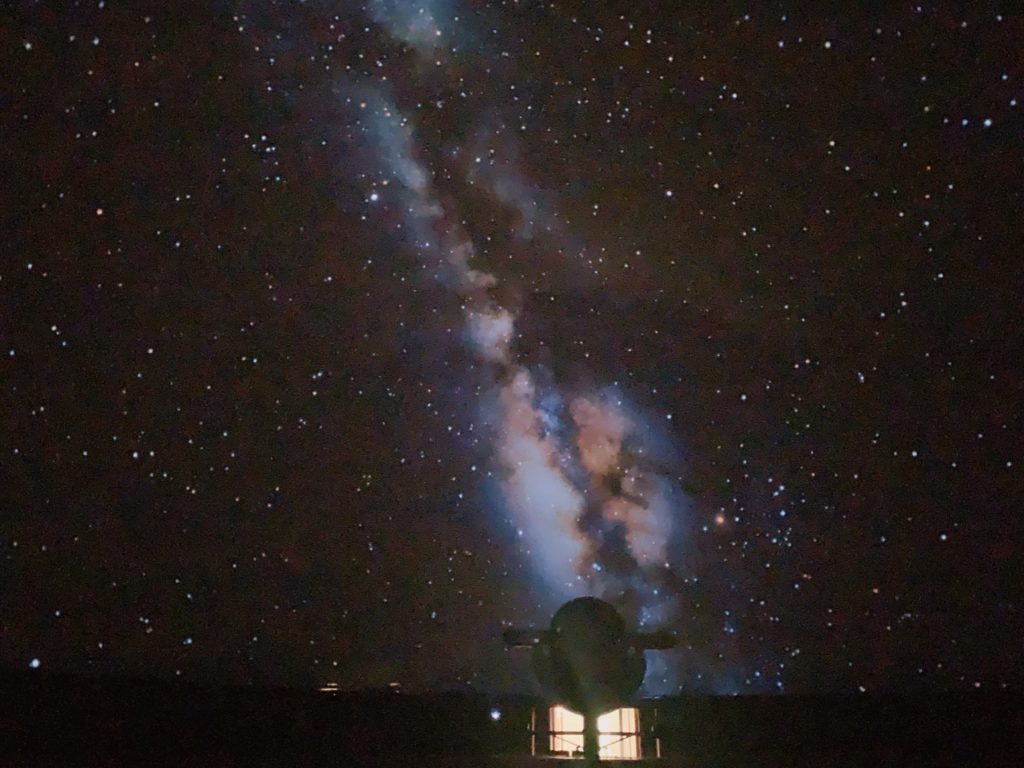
11	675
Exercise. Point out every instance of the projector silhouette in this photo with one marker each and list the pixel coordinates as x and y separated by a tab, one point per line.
587	661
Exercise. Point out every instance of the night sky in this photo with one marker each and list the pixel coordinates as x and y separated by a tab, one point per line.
336	338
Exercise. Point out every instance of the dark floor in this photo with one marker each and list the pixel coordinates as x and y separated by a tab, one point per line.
58	721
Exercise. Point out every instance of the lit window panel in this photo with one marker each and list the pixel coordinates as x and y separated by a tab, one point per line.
618	733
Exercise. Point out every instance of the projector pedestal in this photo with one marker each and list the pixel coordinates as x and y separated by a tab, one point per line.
591	745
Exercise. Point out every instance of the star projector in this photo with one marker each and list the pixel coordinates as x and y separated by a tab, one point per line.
587	661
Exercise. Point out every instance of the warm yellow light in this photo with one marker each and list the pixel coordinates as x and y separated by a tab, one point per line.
566	729
618	733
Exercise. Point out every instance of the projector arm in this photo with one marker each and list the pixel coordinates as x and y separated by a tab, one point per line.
524	638
646	641
653	641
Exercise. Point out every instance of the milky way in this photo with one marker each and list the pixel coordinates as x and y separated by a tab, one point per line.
334	339
578	481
